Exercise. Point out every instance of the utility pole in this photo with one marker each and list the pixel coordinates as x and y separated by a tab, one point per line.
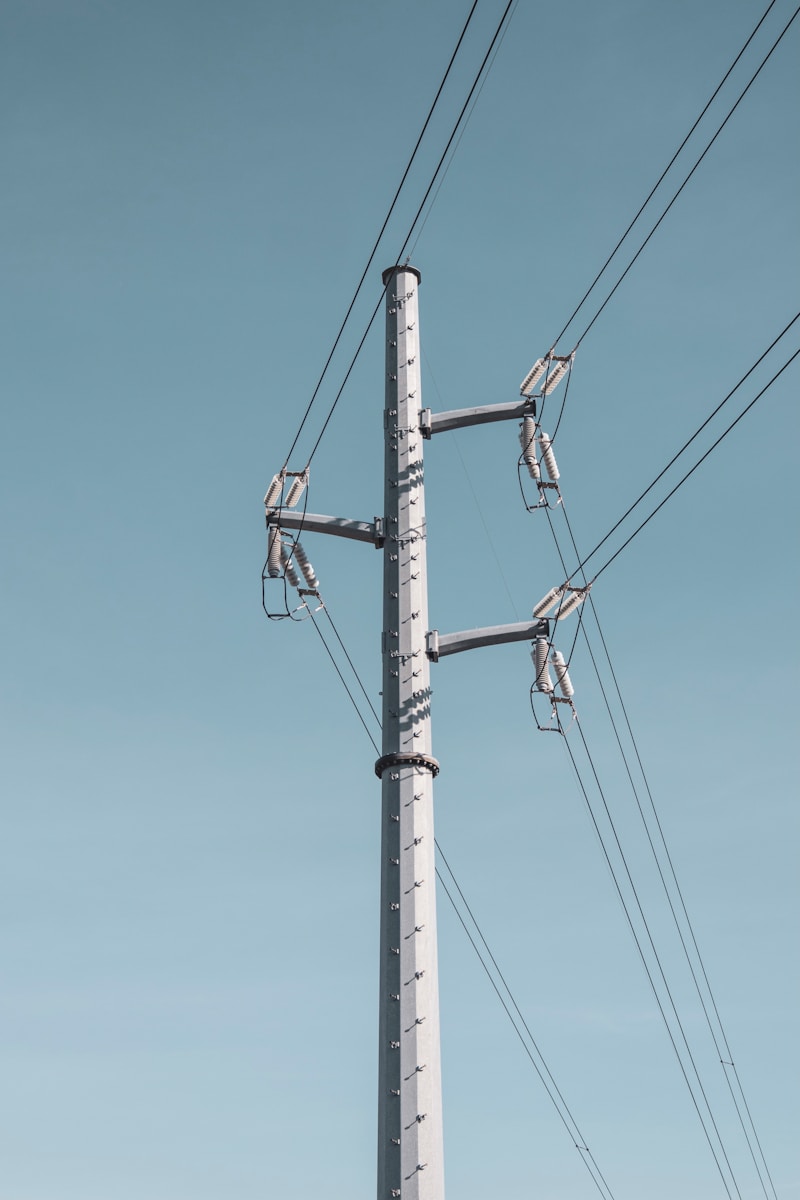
410	1148
410	1143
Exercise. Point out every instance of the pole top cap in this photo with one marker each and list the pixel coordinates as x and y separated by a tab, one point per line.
395	270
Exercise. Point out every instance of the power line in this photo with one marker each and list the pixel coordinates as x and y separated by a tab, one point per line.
580	1145
509	6
644	959
352	666
688	442
730	113
639	905
658	823
659	867
553	1091
680	896
681	482
459	139
561	1108
343	681
661	177
474	493
374	250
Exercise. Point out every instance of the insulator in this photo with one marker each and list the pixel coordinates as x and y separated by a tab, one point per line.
547	602
554	379
532	378
575	599
288	567
527	437
274	543
542	681
273	491
301	558
295	491
549	459
562	675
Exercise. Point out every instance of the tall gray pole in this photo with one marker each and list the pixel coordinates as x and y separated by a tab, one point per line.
410	1157
410	1153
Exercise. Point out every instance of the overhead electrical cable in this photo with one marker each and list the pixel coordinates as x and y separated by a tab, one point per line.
374	250
645	922
471	486
574	1132
509	6
729	1062
680	933
670	903
553	1091
459	138
660	870
661	177
343	682
691	472
730	113
645	964
352	667
688	443
567	1120
628	873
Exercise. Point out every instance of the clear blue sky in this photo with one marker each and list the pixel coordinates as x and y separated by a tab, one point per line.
191	819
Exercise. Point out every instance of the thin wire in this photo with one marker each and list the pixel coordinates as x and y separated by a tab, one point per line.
660	179
577	1133
350	661
382	231
642	955
471	487
658	864
641	910
511	4
691	173
574	1133
459	139
702	459
655	854
486	529
582	1149
688	443
675	880
747	1106
344	684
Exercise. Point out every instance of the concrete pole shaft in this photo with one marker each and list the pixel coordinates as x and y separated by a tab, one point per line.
410	1150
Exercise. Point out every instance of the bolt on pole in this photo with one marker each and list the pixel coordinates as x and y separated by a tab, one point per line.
410	1148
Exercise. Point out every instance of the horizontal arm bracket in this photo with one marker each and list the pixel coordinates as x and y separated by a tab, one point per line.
441	644
458	418
359	531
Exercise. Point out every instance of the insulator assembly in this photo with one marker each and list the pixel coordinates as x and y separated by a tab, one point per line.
542	681
527	438
274	546
547	602
301	558
288	568
562	675
577	597
274	490
548	458
526	388
296	490
555	378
